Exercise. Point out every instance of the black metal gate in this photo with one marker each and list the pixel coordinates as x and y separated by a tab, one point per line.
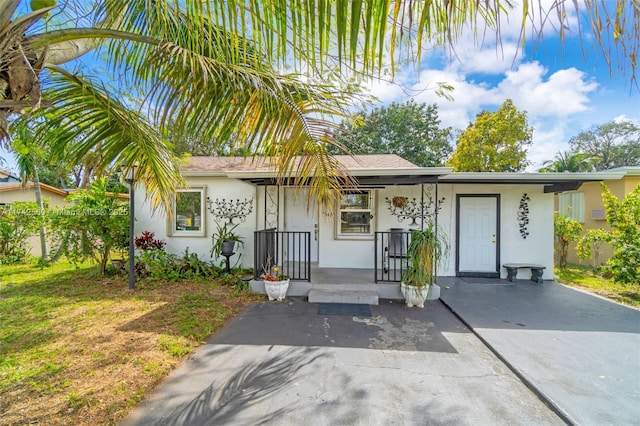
391	254
290	250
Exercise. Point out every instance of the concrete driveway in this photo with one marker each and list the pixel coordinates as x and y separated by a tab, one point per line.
282	363
579	351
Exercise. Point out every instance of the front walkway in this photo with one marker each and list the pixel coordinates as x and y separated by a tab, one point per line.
282	363
581	352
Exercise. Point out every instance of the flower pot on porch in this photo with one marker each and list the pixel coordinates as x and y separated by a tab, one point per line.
276	290
415	295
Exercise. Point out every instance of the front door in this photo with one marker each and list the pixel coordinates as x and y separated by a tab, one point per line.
477	242
298	218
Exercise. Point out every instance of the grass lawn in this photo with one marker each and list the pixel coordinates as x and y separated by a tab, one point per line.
583	277
80	349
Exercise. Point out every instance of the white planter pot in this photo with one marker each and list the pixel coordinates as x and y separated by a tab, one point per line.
414	295
276	290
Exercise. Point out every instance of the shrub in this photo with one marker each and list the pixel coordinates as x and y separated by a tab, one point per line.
147	241
17	223
624	218
566	231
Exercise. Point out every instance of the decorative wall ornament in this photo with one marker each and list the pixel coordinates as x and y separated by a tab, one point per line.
413	209
230	210
271	206
523	215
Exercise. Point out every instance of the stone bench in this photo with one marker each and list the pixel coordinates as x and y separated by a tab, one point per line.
536	270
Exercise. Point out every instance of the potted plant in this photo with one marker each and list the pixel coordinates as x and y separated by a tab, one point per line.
426	249
276	284
399	202
224	241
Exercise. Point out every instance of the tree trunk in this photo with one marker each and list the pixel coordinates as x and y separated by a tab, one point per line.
43	234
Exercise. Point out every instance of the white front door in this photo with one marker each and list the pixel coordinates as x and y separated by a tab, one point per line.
298	218
477	243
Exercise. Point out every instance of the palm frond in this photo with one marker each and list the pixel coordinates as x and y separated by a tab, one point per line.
95	123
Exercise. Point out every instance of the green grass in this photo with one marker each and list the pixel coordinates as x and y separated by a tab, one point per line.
585	278
77	348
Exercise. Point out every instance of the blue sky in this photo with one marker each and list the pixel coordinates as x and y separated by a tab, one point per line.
563	90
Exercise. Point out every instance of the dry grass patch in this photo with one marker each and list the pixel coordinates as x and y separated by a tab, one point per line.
77	349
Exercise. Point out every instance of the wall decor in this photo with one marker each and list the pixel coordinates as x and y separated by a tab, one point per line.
523	216
231	209
415	210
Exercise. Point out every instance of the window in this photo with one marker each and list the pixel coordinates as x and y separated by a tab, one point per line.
572	205
355	214
188	213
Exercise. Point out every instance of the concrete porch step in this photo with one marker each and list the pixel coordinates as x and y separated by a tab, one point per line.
343	293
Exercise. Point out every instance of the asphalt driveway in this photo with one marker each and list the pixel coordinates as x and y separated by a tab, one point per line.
579	351
283	363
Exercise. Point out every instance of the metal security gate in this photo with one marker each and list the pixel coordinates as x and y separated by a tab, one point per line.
290	250
391	254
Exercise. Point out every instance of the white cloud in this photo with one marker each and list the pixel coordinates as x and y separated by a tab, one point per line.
565	92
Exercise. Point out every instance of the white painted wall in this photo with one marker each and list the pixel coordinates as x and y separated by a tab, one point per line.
216	187
536	248
359	253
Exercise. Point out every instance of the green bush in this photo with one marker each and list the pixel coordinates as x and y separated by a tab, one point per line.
18	222
93	224
566	231
624	218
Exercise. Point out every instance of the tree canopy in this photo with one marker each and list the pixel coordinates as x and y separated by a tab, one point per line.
569	162
611	145
494	142
409	130
213	69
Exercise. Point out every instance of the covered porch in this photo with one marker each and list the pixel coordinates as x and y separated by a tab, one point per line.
344	285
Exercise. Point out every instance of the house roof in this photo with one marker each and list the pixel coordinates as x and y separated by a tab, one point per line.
29	185
554	182
390	169
7	175
268	164
370	170
49	188
628	171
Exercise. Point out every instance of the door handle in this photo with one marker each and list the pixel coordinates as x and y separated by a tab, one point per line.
315	231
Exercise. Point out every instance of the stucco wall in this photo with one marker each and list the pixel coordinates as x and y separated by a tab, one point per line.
28	195
359	253
215	187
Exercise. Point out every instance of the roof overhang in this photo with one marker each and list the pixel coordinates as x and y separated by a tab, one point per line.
364	177
553	182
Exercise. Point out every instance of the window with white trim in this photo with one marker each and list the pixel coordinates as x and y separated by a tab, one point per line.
355	214
188	213
571	204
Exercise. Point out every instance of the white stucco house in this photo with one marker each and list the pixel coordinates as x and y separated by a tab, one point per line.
490	218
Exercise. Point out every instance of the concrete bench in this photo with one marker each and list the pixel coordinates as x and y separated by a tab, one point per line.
536	270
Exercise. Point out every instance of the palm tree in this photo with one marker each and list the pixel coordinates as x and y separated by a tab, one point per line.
29	154
569	162
214	69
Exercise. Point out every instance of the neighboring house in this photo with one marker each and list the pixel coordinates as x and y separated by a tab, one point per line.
585	205
489	218
7	179
52	196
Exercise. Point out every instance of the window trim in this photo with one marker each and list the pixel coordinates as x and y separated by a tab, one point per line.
371	210
171	222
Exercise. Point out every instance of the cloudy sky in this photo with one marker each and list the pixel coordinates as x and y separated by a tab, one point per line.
563	90
564	87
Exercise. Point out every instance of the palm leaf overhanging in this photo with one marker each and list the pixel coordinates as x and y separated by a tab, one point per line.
215	69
